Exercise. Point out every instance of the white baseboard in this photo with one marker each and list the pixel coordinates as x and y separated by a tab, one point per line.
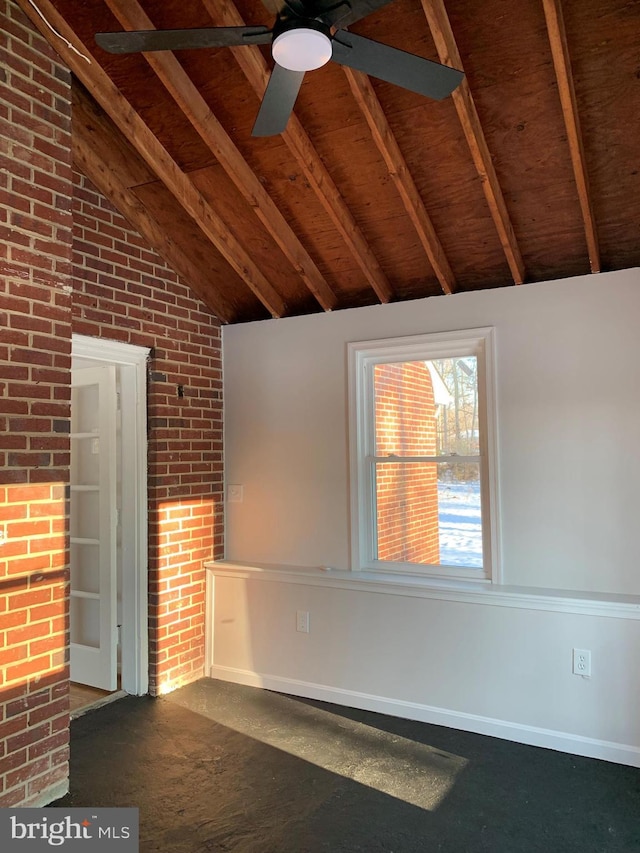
532	736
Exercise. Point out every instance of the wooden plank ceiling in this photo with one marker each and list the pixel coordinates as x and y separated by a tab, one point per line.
529	171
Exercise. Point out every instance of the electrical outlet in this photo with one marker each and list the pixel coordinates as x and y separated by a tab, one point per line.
302	621
582	662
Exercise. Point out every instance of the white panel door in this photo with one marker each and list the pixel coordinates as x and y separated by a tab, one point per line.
93	609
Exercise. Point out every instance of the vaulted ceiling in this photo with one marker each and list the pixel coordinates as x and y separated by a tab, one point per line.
528	171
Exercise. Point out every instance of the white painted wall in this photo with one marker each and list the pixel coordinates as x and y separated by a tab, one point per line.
497	669
568	364
568	380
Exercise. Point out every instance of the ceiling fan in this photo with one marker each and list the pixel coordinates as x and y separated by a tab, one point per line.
305	36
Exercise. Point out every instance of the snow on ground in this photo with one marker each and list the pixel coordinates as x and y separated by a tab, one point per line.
460	524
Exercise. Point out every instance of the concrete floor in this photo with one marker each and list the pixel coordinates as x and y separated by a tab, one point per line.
220	767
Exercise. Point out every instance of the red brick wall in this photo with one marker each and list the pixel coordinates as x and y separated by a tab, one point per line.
407	494
119	289
35	360
124	292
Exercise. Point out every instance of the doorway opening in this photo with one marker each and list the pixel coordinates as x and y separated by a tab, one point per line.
108	525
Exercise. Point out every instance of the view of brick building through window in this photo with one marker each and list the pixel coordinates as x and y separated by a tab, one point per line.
406	493
423	508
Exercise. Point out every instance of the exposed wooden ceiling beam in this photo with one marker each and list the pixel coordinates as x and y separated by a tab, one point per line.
388	146
92	142
562	65
79	59
462	98
186	95
252	63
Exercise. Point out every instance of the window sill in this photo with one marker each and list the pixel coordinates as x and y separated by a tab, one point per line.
466	592
438	575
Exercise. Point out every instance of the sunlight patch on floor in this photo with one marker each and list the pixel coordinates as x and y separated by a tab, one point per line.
414	772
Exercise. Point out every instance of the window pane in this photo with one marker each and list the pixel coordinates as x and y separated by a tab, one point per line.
405	413
429	513
455	382
459	516
427	408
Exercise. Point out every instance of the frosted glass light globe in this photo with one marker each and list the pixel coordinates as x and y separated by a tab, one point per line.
301	49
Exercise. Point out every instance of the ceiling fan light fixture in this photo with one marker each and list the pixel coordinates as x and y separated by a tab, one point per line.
301	49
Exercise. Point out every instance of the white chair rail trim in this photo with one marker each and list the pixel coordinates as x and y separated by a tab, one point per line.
494	595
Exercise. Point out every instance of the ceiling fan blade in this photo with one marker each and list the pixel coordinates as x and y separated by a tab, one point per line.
395	66
350	11
285	9
273	6
137	41
277	104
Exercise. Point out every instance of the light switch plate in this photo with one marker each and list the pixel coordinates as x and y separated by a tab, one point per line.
235	494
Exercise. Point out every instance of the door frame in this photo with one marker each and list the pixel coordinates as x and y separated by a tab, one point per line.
134	510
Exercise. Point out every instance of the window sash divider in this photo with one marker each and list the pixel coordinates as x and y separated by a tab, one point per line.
438	459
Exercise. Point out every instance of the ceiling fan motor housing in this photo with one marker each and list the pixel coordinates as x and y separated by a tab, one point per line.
301	44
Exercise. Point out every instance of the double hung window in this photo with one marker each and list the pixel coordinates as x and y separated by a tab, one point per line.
422	445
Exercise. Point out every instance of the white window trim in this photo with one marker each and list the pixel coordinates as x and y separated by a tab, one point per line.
362	356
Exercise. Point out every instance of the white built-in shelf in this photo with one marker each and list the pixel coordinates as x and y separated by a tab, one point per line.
588	603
